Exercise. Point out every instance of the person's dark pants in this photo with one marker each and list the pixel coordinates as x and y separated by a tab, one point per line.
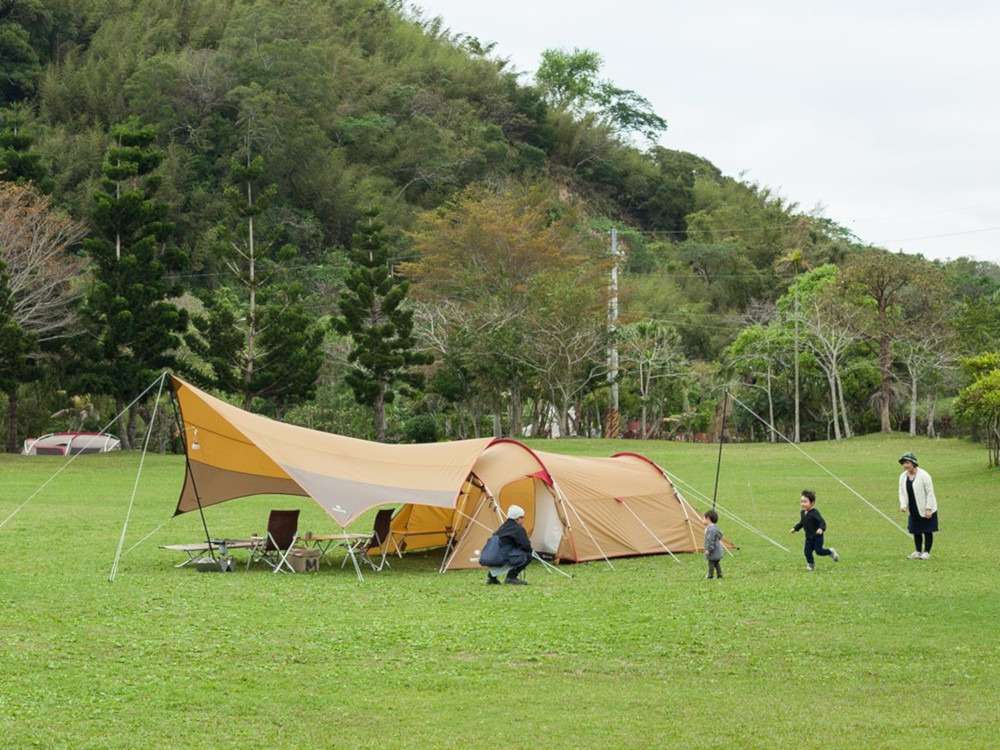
815	544
518	561
923	542
713	565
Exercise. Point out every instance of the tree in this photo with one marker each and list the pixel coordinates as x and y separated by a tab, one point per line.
19	162
885	281
22	25
478	258
567	338
134	326
979	402
570	82
756	354
926	345
650	352
383	353
830	334
16	348
794	262
39	287
37	244
257	338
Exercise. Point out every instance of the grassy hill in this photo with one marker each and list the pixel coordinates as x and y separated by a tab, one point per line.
877	651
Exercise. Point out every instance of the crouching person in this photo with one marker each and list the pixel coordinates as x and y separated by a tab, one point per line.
508	550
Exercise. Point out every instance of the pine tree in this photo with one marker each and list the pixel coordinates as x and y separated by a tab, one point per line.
133	322
20	163
383	352
256	337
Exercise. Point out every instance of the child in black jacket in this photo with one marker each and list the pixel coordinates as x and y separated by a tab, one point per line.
811	520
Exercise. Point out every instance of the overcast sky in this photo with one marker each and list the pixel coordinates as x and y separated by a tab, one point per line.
886	113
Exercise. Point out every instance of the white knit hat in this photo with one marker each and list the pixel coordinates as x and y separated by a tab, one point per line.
515	511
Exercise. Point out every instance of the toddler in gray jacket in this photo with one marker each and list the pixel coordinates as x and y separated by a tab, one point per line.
714	551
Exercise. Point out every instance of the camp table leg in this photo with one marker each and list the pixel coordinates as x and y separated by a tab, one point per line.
350	545
325	549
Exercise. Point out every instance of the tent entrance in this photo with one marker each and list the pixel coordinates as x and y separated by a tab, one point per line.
475	517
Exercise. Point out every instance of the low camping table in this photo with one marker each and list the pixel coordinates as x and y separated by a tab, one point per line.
352	543
195	552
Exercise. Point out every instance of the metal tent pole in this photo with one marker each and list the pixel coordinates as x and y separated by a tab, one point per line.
187	465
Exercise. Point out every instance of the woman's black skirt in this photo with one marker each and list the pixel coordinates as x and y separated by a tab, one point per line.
920	525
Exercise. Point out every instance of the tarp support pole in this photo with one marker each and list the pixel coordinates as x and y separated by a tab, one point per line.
135	485
722	439
725	511
187	465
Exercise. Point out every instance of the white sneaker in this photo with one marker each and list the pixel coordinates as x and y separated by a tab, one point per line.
834	555
810	568
916	555
925	555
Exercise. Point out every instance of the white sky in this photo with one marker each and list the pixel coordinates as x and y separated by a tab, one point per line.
885	112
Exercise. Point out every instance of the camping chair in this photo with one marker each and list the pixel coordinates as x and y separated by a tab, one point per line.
381	537
274	548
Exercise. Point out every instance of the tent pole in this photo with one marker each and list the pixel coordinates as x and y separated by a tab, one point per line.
135	485
727	513
448	559
187	465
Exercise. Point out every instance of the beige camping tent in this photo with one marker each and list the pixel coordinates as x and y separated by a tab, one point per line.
452	494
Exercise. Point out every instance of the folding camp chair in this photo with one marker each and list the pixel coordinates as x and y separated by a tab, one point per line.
381	537
274	548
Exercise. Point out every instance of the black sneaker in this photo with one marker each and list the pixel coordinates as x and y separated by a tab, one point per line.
516	582
492	580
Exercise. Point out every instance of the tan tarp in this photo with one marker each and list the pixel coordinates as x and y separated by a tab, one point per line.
233	453
576	508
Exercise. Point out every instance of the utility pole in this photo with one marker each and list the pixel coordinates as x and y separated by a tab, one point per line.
798	437
612	428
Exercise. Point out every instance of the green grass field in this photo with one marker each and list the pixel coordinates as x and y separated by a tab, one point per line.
877	651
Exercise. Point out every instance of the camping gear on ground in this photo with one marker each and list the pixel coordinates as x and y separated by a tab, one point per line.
196	552
70	444
453	494
352	544
305	560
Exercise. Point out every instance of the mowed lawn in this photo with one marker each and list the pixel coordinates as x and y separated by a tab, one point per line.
876	651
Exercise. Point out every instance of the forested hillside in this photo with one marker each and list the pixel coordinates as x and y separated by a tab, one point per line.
344	214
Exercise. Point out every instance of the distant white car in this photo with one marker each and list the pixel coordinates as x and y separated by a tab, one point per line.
70	444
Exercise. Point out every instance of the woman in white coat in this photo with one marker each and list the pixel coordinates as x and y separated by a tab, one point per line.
916	497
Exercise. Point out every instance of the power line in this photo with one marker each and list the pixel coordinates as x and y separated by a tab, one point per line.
945	234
